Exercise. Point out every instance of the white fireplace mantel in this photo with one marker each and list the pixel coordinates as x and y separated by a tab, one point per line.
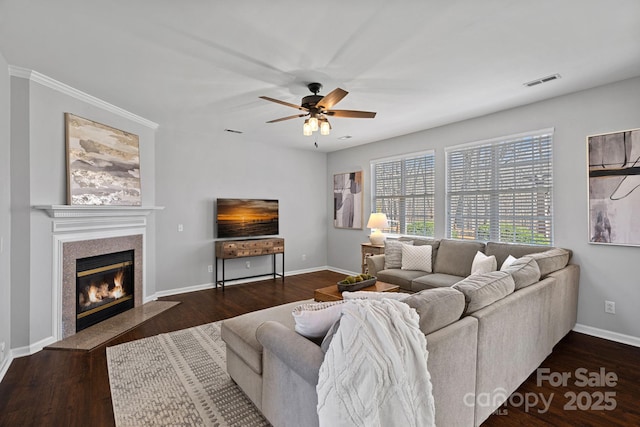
86	218
85	211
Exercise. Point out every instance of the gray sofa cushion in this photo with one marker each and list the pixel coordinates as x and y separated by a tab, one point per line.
396	276
239	333
393	253
435	280
437	308
456	256
482	290
551	260
525	272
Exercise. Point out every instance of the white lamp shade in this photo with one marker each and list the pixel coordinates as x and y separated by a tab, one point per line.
378	220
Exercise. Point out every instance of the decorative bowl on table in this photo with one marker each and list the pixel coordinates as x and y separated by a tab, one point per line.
355	283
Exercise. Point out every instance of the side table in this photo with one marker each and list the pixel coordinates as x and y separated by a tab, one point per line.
367	250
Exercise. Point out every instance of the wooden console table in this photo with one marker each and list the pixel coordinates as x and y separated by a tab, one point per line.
232	249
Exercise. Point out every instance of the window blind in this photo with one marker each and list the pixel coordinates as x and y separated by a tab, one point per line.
403	189
501	190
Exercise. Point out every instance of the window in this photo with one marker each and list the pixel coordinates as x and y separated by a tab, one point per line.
501	190
403	188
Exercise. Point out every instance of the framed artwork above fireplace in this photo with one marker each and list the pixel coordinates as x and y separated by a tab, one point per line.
103	164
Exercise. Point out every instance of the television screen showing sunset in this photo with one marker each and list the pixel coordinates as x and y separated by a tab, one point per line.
247	217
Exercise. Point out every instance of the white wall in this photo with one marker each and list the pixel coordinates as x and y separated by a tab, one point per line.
194	170
5	215
38	177
607	272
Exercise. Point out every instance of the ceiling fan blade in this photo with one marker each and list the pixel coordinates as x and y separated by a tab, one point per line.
297	107
287	118
351	113
332	98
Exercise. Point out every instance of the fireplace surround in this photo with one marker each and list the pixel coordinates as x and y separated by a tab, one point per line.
87	231
73	251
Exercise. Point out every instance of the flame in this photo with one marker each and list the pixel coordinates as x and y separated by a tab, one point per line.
117	291
95	293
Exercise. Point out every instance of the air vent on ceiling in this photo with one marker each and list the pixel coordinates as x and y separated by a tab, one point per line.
542	80
233	131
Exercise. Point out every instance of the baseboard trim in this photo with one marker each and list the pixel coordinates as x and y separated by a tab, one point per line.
5	364
195	288
607	335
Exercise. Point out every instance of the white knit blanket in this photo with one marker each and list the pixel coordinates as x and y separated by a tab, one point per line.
375	369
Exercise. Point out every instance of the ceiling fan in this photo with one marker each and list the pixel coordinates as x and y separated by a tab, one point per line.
318	108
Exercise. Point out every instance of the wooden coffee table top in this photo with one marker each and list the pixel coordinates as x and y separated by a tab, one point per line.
331	293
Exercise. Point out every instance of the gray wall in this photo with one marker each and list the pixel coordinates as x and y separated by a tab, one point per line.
5	213
38	177
607	272
194	170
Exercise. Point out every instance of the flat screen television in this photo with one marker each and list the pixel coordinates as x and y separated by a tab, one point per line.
246	218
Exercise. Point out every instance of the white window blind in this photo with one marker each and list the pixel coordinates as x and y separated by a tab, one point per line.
403	189
501	190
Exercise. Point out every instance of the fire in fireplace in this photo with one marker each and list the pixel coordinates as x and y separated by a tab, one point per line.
104	287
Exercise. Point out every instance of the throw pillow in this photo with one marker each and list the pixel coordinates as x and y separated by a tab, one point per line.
437	307
482	290
393	253
507	262
346	295
483	264
313	320
525	272
416	258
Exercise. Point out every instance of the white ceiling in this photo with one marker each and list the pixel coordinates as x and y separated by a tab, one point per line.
199	66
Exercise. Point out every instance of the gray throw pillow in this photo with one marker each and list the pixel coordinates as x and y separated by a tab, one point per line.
393	253
437	307
525	272
482	290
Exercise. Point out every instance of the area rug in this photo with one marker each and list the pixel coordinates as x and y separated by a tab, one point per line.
177	379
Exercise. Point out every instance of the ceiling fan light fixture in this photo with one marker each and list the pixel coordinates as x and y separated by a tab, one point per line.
313	122
325	127
306	128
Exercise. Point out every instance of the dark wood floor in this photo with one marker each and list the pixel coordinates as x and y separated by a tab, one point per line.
70	388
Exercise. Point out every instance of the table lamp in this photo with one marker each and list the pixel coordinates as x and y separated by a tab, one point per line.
377	221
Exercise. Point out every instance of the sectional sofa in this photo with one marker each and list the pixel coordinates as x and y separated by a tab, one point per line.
486	333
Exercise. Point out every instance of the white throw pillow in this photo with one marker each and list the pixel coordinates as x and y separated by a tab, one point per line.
507	262
483	264
416	258
313	320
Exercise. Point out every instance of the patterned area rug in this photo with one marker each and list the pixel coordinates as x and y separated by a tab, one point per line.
177	379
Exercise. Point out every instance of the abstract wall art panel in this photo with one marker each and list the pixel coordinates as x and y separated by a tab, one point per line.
347	200
103	164
614	188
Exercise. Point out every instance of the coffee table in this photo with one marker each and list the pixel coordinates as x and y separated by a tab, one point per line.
331	293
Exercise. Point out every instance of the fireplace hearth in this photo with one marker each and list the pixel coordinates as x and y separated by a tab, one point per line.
104	287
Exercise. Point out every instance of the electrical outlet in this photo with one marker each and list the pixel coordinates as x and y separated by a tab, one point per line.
180	227
2	344
304	257
248	264
210	268
610	307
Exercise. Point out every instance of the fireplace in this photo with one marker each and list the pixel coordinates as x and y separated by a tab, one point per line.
104	287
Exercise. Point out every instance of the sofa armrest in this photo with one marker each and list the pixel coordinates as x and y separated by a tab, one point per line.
298	353
375	263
